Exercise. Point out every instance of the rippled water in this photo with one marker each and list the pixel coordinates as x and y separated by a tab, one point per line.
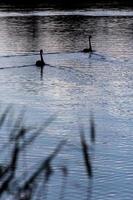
71	85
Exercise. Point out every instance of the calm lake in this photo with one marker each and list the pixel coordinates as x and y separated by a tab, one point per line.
71	86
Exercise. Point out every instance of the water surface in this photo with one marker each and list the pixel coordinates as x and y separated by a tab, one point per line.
72	85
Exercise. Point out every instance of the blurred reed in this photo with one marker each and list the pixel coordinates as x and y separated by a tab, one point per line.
86	155
30	188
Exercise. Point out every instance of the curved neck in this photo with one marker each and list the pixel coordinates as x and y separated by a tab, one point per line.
90	47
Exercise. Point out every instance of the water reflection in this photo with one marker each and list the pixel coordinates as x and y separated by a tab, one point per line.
89	77
64	33
41	73
72	84
20	34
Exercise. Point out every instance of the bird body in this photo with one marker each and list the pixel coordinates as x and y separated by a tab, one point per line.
86	50
40	63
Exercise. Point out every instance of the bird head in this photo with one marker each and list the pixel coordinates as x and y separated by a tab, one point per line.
41	51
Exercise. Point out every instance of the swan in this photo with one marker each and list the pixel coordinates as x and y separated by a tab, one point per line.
87	50
40	63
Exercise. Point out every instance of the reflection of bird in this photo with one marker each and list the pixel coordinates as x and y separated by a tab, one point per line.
86	50
41	62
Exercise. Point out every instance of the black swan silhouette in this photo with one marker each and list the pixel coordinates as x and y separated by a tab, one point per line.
87	50
40	63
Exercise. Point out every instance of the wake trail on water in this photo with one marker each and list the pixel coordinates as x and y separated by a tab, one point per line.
15	67
7	61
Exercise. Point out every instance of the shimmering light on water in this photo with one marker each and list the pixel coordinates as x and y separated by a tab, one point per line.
73	84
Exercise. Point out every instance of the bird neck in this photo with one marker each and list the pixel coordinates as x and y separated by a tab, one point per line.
90	47
41	58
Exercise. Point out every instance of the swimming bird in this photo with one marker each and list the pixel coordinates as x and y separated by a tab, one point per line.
40	63
87	50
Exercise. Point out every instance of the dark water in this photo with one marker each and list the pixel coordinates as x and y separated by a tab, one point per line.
73	84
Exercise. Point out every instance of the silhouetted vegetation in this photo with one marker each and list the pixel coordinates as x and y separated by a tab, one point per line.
27	188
